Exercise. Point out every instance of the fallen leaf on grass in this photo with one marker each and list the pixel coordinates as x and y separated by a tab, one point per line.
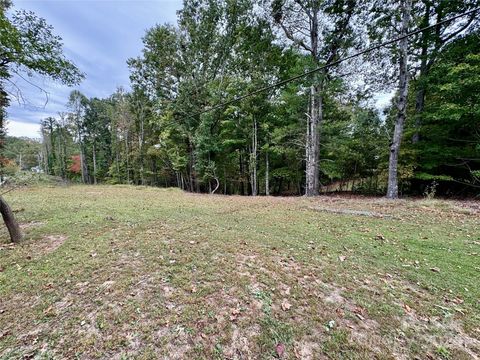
359	312
342	258
407	308
49	311
286	305
360	317
234	314
280	350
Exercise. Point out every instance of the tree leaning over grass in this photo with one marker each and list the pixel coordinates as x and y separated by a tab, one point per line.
10	221
27	45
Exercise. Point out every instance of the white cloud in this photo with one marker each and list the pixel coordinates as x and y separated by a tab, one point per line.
18	129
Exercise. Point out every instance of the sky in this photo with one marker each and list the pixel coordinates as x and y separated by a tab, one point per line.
99	36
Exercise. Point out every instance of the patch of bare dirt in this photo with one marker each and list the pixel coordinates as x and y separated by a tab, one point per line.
242	343
49	243
447	333
31	224
307	350
352	212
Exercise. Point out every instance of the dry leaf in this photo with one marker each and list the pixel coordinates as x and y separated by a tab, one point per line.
49	311
280	349
286	305
234	314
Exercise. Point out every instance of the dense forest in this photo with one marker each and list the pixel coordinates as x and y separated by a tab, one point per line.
177	126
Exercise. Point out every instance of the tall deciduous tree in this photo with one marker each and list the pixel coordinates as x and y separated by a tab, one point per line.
324	30
392	187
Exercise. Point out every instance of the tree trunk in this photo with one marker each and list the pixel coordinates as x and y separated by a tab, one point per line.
312	143
225	181
52	147
83	164
267	175
61	152
141	143
191	167
117	162
242	185
392	190
126	158
177	176
10	221
94	165
254	159
216	186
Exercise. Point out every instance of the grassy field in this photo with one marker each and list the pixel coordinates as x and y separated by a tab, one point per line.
121	272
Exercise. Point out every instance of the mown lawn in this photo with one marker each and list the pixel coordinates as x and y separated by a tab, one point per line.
123	272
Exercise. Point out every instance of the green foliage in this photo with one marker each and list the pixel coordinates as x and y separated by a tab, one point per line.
450	126
28	43
25	152
425	176
160	132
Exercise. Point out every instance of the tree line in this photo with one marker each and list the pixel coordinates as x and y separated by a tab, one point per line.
319	130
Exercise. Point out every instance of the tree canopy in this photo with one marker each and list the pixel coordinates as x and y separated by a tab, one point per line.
319	133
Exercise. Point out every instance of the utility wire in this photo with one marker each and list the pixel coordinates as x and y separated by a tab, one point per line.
370	49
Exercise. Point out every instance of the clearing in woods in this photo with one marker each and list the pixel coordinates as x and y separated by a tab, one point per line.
120	272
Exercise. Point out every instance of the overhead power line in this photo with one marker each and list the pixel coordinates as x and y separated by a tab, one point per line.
326	66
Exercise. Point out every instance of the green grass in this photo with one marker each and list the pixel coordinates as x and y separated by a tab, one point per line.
137	272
